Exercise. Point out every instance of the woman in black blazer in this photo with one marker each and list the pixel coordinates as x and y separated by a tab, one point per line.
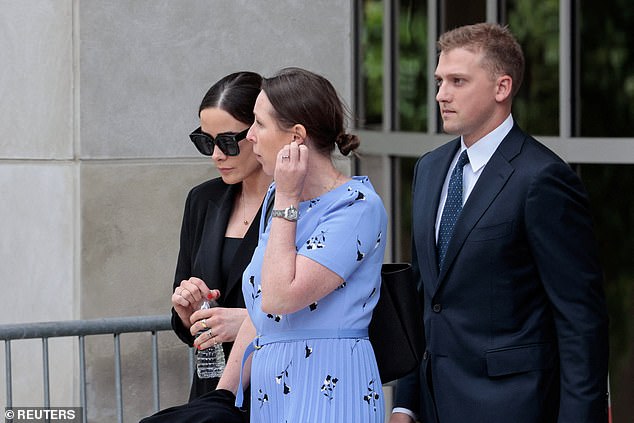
220	221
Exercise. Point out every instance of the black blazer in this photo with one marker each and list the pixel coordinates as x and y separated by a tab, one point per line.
207	211
515	321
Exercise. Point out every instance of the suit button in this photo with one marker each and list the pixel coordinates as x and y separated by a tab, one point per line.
425	355
437	308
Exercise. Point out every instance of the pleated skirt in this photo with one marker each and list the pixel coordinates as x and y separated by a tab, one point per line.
318	380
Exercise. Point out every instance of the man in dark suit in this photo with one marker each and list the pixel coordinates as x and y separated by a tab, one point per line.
503	249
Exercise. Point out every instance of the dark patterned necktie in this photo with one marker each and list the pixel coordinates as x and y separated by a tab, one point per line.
452	209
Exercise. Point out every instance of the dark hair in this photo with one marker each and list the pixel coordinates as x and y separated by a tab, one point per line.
301	97
235	94
502	53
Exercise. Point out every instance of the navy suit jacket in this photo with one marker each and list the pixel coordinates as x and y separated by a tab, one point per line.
516	325
207	211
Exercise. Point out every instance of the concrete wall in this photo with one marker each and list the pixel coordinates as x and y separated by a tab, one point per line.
38	186
97	100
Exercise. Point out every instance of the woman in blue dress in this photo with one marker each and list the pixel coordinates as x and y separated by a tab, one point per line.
314	278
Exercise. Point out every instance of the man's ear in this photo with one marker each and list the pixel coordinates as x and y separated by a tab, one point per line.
299	133
504	88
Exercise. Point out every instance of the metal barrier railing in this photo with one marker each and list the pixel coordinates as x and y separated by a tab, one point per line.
81	329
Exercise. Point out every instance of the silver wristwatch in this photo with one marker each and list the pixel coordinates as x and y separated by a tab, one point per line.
289	213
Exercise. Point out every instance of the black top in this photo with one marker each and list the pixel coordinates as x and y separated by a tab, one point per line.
229	250
207	211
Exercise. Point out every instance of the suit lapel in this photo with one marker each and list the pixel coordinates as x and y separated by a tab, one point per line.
428	191
492	180
216	219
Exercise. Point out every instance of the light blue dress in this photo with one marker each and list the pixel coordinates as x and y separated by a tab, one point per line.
306	378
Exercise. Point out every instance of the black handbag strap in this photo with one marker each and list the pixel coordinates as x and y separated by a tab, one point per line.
269	210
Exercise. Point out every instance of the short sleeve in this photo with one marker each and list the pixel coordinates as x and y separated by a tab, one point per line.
349	232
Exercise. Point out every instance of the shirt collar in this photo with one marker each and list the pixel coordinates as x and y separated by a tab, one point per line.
481	151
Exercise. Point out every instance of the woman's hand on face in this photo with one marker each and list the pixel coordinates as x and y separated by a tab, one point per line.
187	298
290	169
218	324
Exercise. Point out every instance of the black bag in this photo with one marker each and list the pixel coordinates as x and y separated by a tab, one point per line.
396	329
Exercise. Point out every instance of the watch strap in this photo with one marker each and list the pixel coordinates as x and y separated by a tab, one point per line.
290	213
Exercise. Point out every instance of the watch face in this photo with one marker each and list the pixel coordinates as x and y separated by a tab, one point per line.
291	213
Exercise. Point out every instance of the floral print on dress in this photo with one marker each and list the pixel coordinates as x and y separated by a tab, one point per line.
312	204
357	196
369	297
354	346
372	396
378	240
262	398
254	293
328	388
318	241
360	254
281	379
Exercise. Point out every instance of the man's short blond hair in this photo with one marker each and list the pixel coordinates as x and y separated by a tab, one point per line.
502	53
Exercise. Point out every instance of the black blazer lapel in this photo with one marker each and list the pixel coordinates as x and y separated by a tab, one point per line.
494	176
216	219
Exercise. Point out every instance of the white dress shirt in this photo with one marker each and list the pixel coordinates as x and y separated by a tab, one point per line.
479	155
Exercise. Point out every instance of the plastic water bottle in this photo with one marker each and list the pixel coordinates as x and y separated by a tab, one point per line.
210	362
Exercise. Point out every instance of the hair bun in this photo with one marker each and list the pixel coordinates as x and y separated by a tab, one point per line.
347	143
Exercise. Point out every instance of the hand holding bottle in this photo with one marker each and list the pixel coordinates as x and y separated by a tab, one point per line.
188	296
210	361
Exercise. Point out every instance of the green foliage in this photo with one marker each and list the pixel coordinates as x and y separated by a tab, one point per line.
412	66
536	27
372	46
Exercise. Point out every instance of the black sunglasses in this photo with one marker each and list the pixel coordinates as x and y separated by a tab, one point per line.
227	142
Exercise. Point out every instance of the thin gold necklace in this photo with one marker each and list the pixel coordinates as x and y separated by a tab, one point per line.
244	209
333	183
327	188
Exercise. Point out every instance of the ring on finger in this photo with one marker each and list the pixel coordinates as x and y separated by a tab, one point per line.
286	157
210	334
204	323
